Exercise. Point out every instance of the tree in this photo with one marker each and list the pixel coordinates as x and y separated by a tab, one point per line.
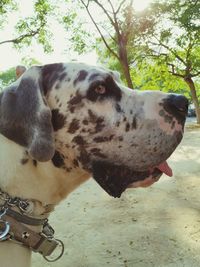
154	75
176	41
28	28
118	31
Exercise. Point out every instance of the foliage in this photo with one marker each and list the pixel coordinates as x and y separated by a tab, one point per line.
36	27
6	6
7	77
176	35
155	76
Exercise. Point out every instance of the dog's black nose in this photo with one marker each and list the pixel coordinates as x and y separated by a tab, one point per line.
180	102
176	104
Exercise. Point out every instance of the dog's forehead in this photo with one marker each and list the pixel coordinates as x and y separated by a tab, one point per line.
84	70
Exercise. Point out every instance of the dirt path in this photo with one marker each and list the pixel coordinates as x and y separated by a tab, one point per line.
153	227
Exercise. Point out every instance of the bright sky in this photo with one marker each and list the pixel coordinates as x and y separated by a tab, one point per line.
11	57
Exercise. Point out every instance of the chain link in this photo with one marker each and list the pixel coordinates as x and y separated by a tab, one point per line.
22	204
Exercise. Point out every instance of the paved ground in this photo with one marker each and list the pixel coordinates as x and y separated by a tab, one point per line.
153	227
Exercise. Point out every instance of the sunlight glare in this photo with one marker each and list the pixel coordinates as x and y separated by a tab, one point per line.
139	5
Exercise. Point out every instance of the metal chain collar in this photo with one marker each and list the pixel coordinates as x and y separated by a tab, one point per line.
25	206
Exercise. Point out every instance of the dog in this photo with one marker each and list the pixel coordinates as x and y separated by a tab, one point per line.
61	124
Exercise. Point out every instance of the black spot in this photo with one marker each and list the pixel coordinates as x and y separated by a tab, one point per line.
51	74
62	76
93	76
134	123
85	122
76	99
173	125
58	119
57	86
127	127
72	109
58	160
75	163
67	169
35	162
99	124
97	152
79	140
74	126
81	76
84	158
118	108
101	139
120	138
57	99
24	161
117	124
134	145
92	116
112	90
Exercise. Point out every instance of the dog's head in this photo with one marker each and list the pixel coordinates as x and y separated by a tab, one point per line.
120	136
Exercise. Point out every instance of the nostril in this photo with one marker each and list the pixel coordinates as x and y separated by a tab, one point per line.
177	106
180	102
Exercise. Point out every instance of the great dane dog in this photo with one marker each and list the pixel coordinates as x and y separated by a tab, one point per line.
61	124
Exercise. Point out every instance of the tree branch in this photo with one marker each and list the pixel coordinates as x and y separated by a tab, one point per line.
104	10
173	71
169	49
195	74
119	7
22	37
99	31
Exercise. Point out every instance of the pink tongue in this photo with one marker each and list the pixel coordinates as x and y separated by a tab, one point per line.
164	167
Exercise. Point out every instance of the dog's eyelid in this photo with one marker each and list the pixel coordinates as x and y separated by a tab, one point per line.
98	83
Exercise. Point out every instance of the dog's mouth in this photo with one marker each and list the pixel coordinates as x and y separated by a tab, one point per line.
115	179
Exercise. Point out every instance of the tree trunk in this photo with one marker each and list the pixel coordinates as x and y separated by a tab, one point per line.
127	74
124	60
191	85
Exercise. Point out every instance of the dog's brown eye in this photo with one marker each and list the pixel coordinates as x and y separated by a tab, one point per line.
100	89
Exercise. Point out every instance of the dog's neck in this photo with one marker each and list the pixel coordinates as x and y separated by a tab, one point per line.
22	177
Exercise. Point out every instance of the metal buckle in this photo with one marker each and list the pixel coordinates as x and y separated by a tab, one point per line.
60	244
6	226
46	246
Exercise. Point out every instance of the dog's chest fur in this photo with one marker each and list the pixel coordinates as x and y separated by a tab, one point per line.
24	177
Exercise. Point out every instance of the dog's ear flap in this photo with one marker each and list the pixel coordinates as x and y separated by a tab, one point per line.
26	118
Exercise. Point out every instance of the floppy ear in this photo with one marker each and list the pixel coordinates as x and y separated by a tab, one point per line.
25	118
19	71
